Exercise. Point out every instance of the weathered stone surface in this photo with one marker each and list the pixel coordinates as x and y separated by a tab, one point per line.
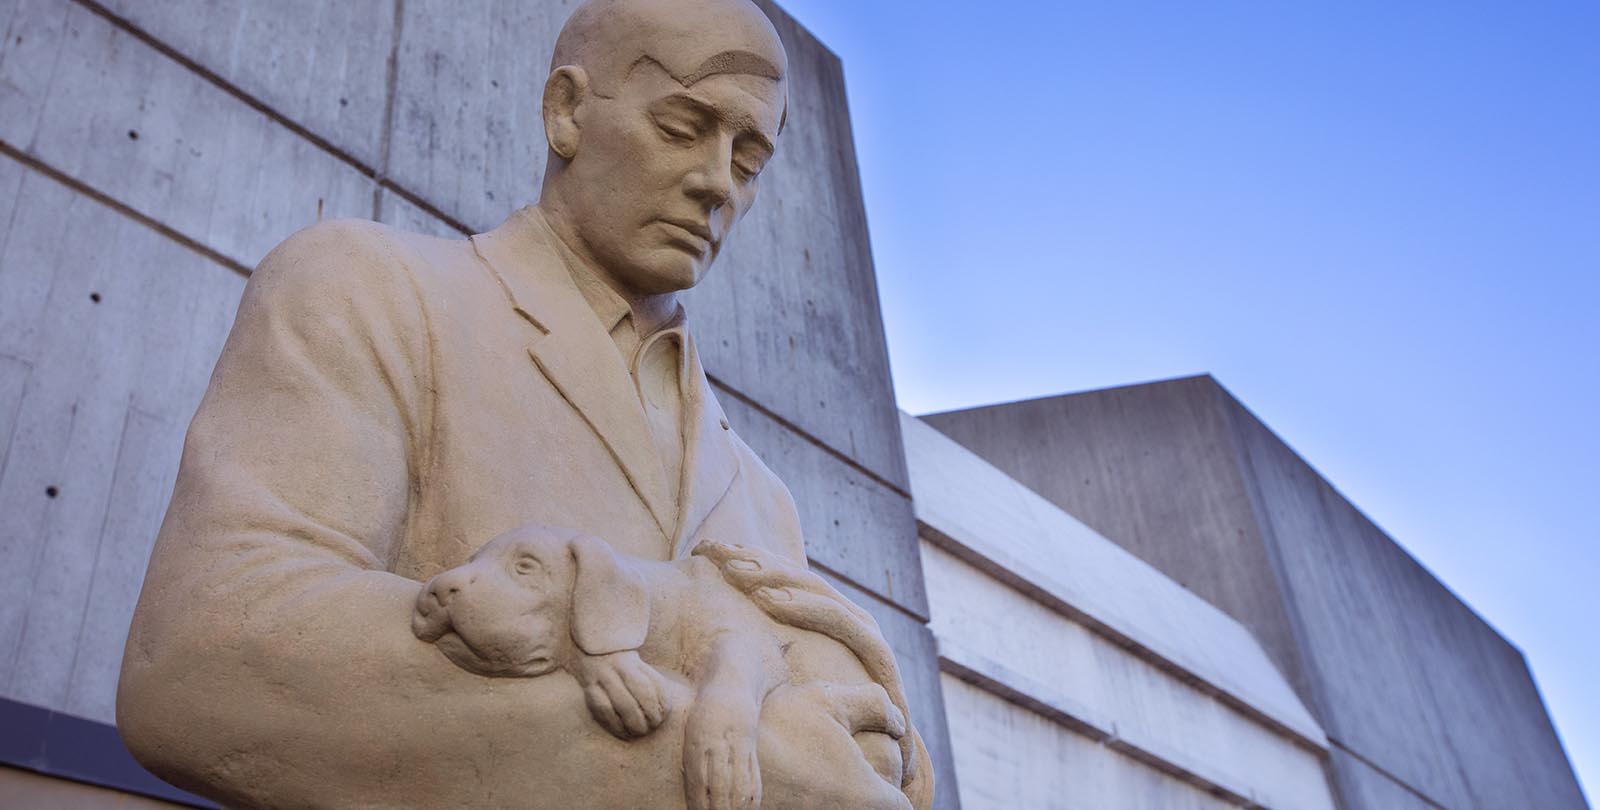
322	65
1406	675
1363	788
109	111
1009	757
1015	535
1036	609
1399	671
111	332
854	525
468	136
1116	480
396	210
1023	647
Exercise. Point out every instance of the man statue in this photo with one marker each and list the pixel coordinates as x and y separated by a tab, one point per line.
387	403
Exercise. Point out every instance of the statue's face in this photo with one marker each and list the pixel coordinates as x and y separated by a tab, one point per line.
663	172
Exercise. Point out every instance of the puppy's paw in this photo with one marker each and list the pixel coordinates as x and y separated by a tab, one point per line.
720	770
626	695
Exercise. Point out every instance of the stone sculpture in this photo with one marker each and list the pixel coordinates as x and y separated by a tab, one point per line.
617	612
536	599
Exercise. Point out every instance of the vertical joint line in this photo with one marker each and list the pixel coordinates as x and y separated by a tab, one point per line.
381	172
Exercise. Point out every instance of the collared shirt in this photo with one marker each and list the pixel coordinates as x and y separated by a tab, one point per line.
657	362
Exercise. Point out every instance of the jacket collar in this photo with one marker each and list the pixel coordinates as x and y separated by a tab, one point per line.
574	350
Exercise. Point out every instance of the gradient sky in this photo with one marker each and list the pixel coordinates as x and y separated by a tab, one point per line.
1376	223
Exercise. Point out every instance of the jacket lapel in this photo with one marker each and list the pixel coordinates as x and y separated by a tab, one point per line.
709	462
575	353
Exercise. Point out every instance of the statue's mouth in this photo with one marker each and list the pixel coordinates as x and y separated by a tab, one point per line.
691	236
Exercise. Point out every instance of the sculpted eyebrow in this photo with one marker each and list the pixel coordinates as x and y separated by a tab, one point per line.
696	106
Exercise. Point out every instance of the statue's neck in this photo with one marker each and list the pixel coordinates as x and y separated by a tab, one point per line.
650	311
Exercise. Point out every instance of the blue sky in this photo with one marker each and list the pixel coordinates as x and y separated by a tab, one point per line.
1376	223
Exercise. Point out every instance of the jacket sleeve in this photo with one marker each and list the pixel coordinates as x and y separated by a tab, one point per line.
271	661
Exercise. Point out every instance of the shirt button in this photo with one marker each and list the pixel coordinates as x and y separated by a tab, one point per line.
724	424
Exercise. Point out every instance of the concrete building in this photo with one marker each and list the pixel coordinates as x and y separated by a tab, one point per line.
1424	704
151	153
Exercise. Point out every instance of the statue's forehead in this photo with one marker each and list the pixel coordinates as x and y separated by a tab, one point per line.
689	39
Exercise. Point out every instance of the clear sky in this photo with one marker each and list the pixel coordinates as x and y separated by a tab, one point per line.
1376	223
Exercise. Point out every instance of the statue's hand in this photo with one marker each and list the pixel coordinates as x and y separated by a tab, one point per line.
790	593
720	771
625	695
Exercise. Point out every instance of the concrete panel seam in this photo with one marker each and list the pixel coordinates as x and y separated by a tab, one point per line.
798	431
1384	772
100	544
391	82
5	452
273	114
920	619
31	162
1182	674
1269	538
231	89
994	678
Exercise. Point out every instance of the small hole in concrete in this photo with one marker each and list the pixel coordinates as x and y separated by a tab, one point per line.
344	102
95	297
133	134
51	492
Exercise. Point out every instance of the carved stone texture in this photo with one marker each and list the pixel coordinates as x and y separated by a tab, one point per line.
461	523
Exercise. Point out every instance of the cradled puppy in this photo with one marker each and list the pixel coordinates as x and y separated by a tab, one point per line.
538	599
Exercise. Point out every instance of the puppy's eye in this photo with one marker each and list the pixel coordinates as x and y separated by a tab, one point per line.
527	565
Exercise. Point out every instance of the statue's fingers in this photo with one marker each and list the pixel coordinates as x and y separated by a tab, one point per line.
747	568
749	782
719	776
694	779
719	553
804	609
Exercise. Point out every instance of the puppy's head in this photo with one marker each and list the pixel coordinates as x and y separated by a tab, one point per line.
526	601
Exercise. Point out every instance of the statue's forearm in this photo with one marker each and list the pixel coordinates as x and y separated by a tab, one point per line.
321	698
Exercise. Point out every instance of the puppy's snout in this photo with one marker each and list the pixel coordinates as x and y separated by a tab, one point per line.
446	587
442	594
432	616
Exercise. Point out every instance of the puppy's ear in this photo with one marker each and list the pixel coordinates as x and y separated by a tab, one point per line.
610	604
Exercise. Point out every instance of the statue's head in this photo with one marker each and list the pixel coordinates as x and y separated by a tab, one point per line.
660	115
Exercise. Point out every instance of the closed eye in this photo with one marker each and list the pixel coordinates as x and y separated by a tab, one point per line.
674	131
526	564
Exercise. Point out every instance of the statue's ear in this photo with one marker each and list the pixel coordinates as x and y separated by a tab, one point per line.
610	604
564	91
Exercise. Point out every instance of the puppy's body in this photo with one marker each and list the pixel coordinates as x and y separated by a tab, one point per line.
537	599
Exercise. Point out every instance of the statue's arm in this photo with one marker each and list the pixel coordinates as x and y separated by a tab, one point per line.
271	660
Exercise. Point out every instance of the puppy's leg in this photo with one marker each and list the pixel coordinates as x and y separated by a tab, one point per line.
625	695
720	769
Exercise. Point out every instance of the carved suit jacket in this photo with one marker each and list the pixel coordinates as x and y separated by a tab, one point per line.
385	404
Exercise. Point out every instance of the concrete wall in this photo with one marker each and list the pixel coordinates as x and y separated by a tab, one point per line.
1424	703
151	153
1078	676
